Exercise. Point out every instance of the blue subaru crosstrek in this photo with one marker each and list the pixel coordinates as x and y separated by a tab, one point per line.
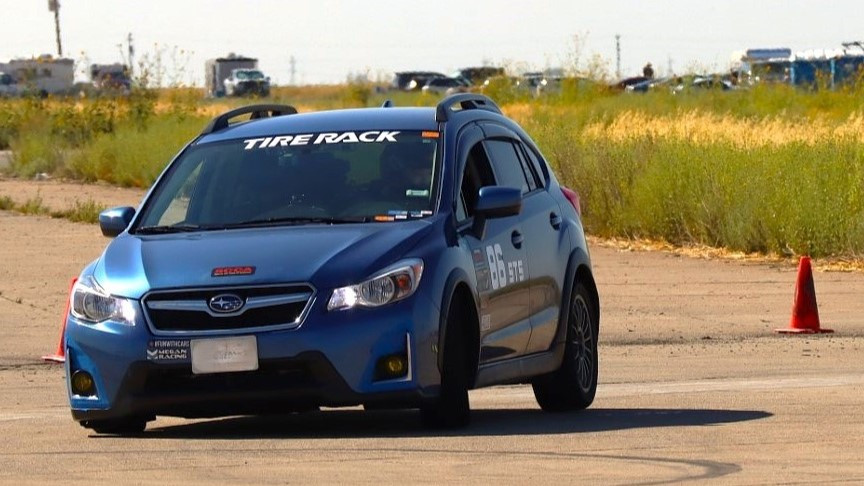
384	257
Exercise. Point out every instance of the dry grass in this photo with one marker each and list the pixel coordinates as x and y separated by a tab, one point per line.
827	264
771	170
710	128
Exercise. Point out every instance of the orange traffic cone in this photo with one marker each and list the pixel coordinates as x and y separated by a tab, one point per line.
805	312
60	355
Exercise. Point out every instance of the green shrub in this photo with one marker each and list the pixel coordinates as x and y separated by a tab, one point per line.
134	157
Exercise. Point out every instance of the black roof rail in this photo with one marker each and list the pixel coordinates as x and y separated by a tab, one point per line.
466	101
257	111
387	104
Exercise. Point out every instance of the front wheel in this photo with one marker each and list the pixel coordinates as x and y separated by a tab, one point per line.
451	408
574	384
121	426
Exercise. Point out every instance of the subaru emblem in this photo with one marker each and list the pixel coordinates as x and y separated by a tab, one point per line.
225	303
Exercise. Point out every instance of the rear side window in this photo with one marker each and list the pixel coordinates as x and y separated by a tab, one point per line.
537	164
507	164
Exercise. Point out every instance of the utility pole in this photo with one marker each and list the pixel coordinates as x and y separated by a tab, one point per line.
618	56
131	54
293	63
54	6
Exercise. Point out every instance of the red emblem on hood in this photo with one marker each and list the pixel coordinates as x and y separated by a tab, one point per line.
232	271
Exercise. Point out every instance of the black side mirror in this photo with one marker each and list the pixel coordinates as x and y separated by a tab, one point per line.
495	202
115	220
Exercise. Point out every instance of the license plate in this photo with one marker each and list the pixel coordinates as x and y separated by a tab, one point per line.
224	355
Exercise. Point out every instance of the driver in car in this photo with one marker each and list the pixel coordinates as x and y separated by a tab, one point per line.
405	176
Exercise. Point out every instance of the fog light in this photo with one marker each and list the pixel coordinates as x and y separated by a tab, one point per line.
82	384
393	366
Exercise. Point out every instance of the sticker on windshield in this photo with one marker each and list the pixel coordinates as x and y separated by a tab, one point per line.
417	192
401	214
372	136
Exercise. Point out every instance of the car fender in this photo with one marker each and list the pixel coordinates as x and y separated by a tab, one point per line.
579	260
457	276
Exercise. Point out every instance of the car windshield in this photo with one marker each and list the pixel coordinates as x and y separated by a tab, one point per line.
249	74
376	175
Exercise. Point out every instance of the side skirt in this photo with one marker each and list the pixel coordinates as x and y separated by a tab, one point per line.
521	369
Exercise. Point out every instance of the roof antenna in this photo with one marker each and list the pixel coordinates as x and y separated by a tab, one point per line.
387	104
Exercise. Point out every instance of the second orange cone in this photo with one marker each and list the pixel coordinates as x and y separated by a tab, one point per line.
805	312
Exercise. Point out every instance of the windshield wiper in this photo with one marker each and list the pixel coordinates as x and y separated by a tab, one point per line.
295	220
173	228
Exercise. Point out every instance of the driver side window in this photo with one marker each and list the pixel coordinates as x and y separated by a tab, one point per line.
478	173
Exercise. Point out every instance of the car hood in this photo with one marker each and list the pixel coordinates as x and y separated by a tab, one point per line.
325	256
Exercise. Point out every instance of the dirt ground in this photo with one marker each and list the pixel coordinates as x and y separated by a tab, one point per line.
57	195
694	386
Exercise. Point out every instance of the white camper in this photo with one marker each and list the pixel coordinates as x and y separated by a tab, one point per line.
43	75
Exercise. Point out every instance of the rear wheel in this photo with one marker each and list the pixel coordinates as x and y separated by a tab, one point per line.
451	408
574	384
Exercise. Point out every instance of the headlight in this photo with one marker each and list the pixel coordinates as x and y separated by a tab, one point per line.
90	303
392	284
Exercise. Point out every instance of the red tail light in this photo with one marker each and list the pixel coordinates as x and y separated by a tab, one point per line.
573	197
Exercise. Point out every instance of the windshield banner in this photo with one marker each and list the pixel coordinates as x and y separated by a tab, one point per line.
374	136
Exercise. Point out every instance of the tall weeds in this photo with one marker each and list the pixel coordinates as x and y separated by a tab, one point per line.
770	169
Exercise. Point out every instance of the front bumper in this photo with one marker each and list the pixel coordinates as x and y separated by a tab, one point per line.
252	88
330	360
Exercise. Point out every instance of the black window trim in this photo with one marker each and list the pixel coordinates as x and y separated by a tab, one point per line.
539	180
538	162
515	137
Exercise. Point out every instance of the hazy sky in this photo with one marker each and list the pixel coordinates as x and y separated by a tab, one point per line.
330	38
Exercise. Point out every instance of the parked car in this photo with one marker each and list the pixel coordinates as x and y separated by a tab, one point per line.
478	75
679	84
710	82
246	82
652	83
446	86
413	80
623	84
385	257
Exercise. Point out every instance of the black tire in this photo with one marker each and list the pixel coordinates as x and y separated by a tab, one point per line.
124	426
574	384
451	408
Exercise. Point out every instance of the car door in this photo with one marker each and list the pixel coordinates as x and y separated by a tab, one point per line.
546	247
499	262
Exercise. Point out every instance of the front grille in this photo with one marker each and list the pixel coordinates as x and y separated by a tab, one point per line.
187	310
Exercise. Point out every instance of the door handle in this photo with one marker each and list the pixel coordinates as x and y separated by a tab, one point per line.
516	238
555	220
